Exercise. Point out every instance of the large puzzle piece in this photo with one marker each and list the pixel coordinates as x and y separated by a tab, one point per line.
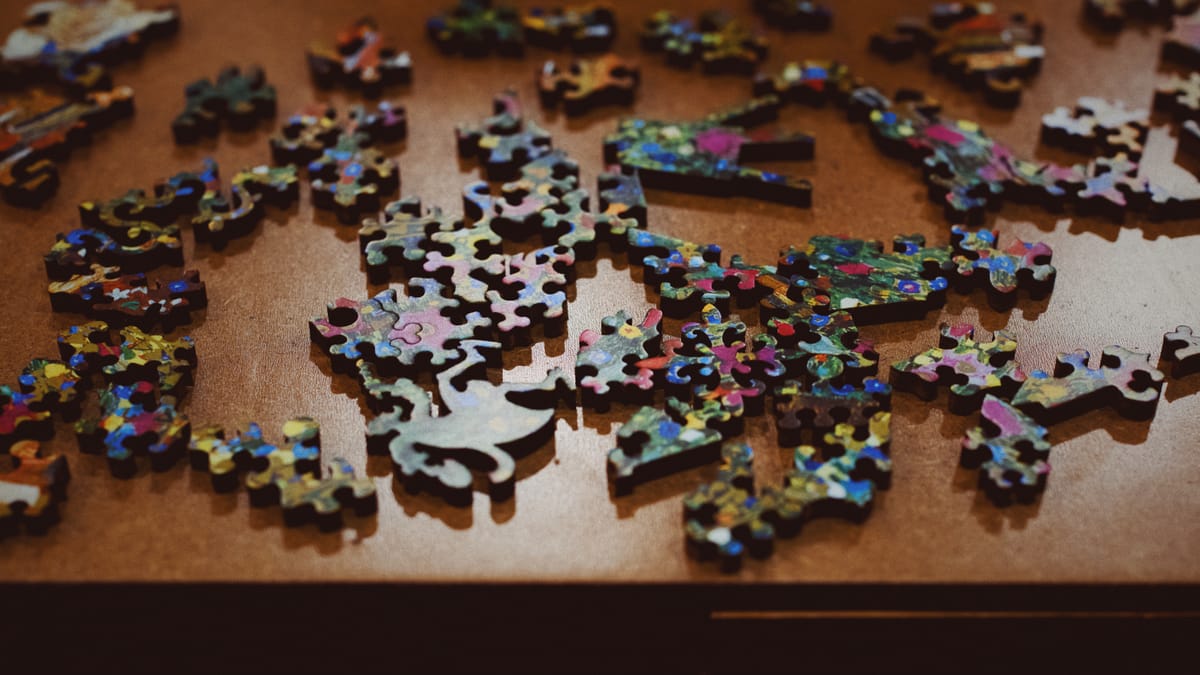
656	442
129	299
1098	126
505	141
532	289
609	364
1010	451
137	357
720	42
583	28
482	426
724	518
1182	42
476	28
978	263
398	333
1124	380
134	422
71	42
969	367
31	487
588	83
240	99
824	405
795	14
1181	348
690	275
1112	15
360	59
706	156
38	128
216	218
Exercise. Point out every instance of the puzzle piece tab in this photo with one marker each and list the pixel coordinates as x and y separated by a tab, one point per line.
725	519
1010	451
31	489
588	83
360	59
1124	380
240	99
970	368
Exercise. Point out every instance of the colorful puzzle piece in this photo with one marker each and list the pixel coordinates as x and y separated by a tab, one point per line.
706	156
1010	451
656	442
51	385
970	368
724	518
621	197
1179	96
720	42
240	99
134	422
1095	126
216	219
19	418
1124	380
439	453
824	405
360	59
532	289
690	275
609	364
1181	348
795	14
31	489
476	28
1001	271
587	83
210	451
137	357
76	251
129	299
583	28
843	482
400	238
505	141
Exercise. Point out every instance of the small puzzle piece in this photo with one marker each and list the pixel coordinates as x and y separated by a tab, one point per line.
588	83
306	134
824	405
397	333
533	289
504	142
129	299
31	489
360	59
720	42
1181	349
137	357
1097	126
400	238
535	202
73	41
37	129
1179	95
706	156
1111	186
583	28
725	519
1010	451
812	82
1001	271
505	421
1124	380
840	483
970	368
1182	43
1111	15
795	14
476	28
133	423
690	275
240	99
608	366
656	442
216	218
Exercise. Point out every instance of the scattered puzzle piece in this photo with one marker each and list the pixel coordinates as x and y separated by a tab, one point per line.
31	489
350	176
360	59
505	141
1125	380
719	42
129	299
534	202
438	453
476	28
654	443
970	368
19	420
533	289
53	386
824	405
1181	348
706	156
583	28
1097	126
1001	271
1182	43
76	251
587	83
795	14
210	451
1179	96
240	99
38	128
609	365
724	518
134	422
217	219
1010	451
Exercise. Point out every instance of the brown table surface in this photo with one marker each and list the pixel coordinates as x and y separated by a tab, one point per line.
1122	505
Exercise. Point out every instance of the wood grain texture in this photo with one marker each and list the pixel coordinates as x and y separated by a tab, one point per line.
1122	505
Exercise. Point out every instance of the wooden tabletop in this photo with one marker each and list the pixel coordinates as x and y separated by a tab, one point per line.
1122	505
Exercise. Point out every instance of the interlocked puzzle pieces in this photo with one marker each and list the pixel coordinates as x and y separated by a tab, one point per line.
1182	43
135	422
1001	272
360	59
1124	380
724	518
70	42
505	141
136	357
720	42
217	219
1111	15
129	299
533	289
287	474
969	367
239	98
584	28
400	238
691	275
609	366
45	387
975	45
31	486
482	426
1098	126
654	443
706	156
347	173
795	14
475	28
587	83
1010	451
38	128
824	405
1181	348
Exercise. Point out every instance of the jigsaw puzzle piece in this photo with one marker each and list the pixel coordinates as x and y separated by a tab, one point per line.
1001	271
824	405
1182	42
1124	380
31	488
621	198
840	483
724	519
1181	349
133	423
504	142
1010	451
720	42
969	367
655	443
588	83
802	15
533	289
360	59
608	366
240	99
401	238
583	28
476	28
168	364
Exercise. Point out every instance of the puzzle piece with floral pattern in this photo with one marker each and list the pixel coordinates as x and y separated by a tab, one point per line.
533	289
1125	380
823	405
476	28
134	422
52	385
725	518
1010	451
1098	126
1181	349
588	83
802	15
583	28
608	366
21	418
720	42
504	142
38	128
969	367
224	458
1001	271
360	59
438	452
524	206
689	275
840	483
239	99
467	260
654	443
31	488
707	155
